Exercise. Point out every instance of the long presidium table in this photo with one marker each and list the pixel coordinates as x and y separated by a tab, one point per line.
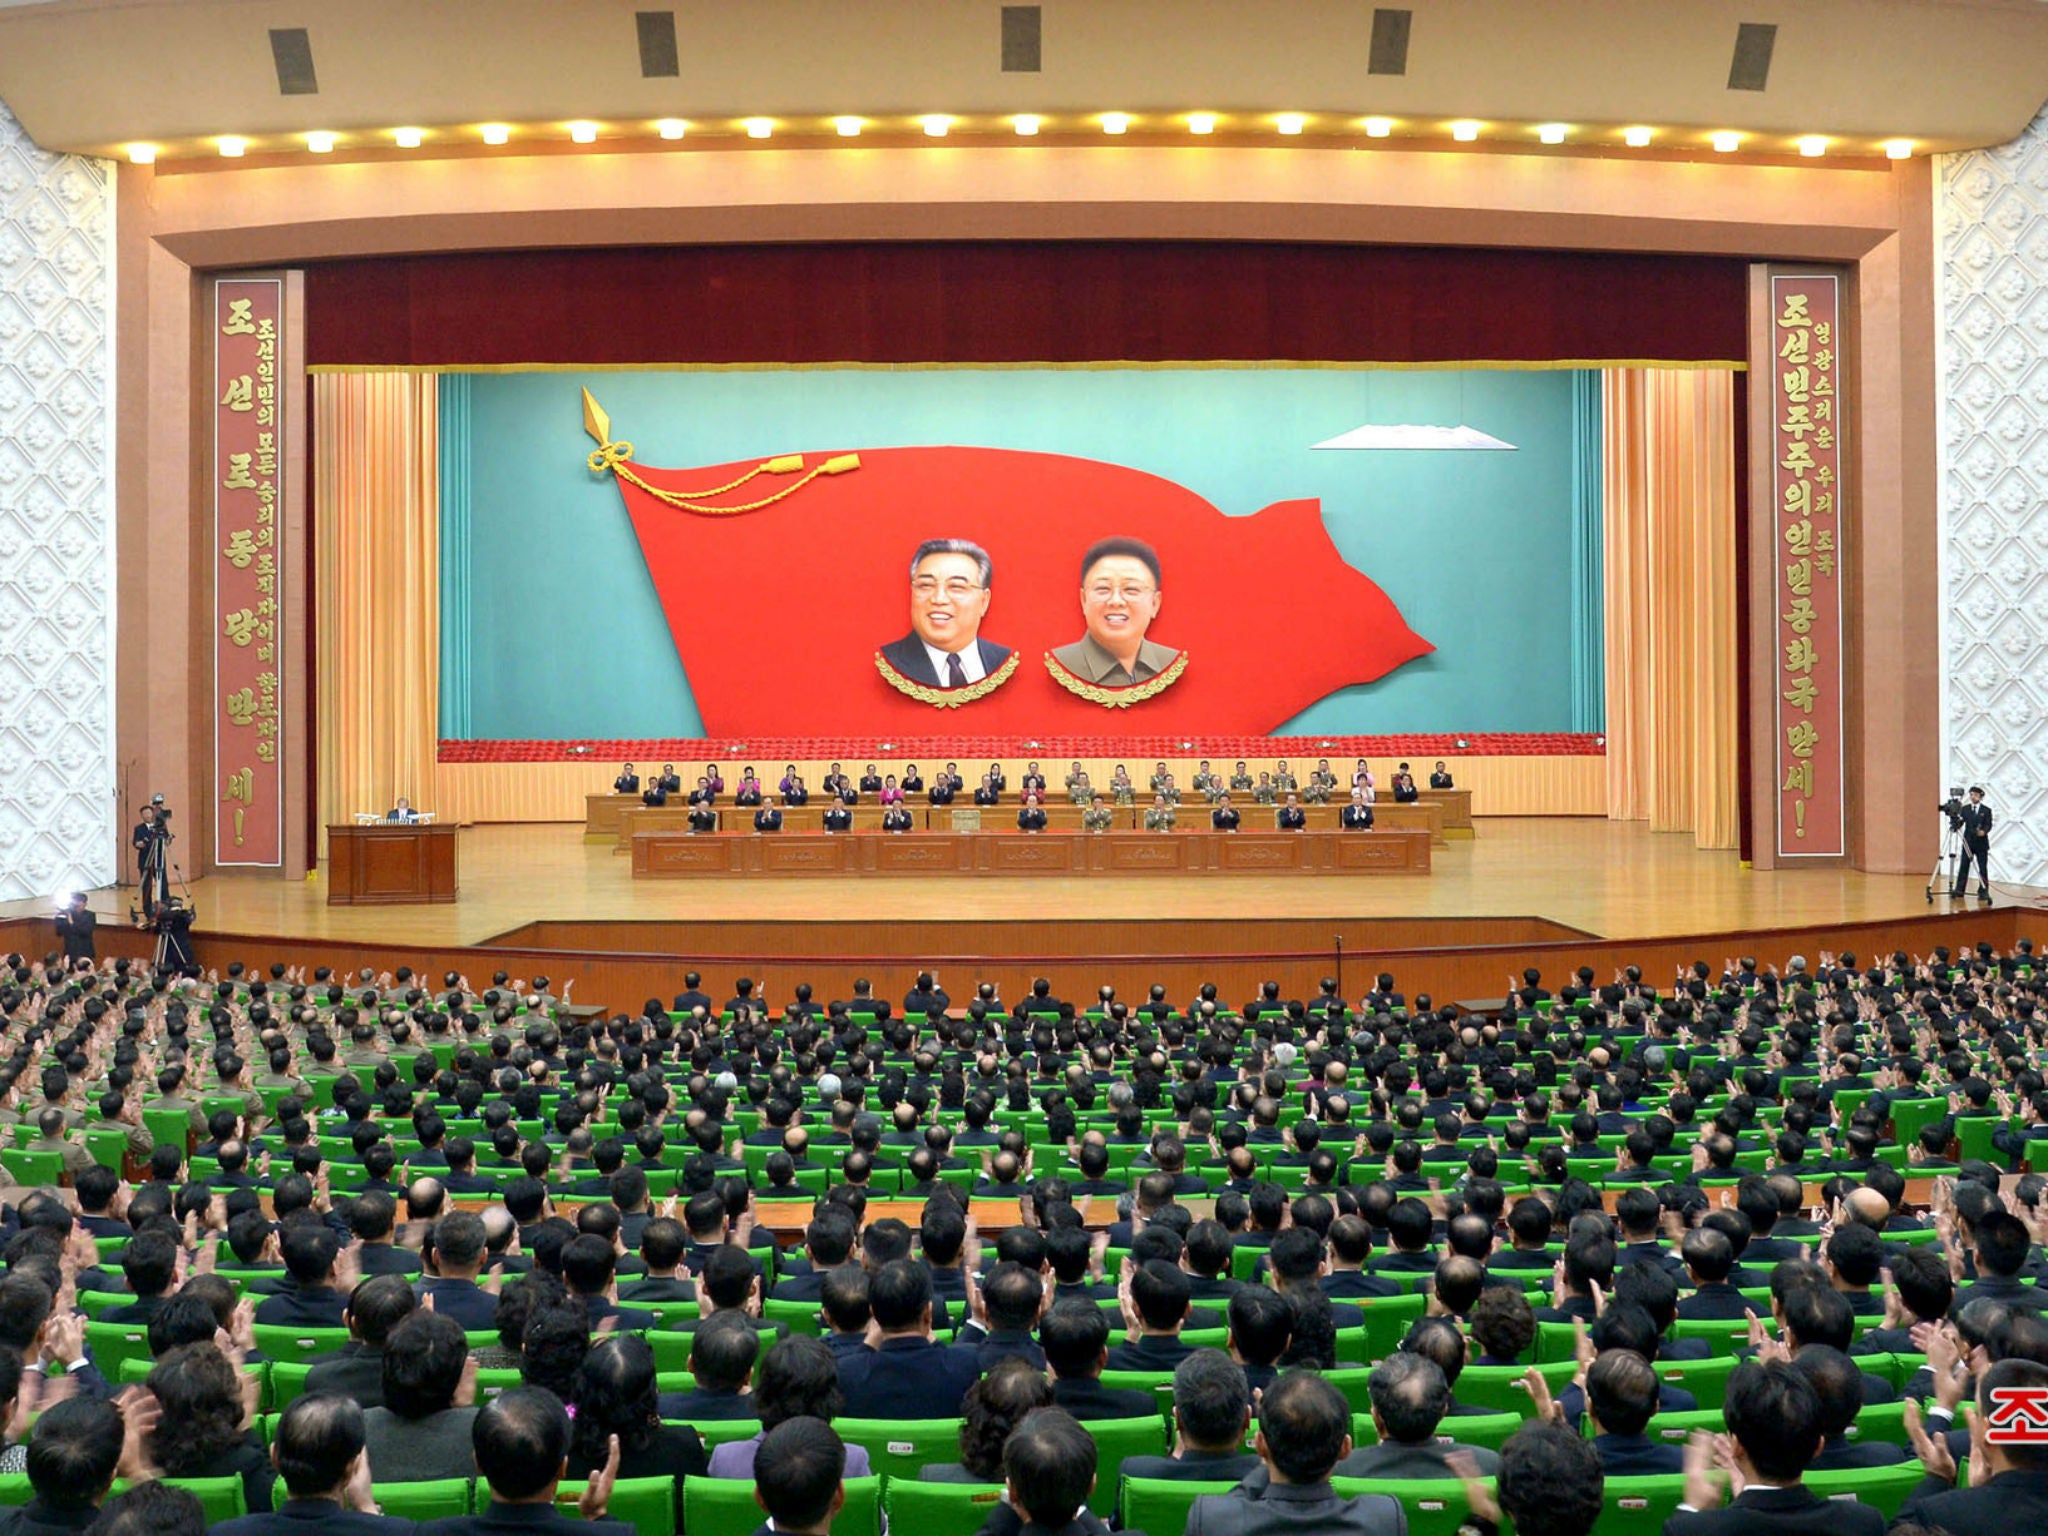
617	819
682	855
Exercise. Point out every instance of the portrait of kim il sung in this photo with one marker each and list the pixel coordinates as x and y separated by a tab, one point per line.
950	582
1120	600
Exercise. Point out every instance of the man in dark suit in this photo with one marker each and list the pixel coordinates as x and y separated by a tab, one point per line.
723	1349
838	819
319	1444
2015	1498
457	1259
356	1370
908	1375
693	994
309	1297
1357	816
1621	1396
950	582
768	819
74	1451
1304	1431
1212	1409
522	1450
1291	817
1409	1400
1774	1420
1224	818
1973	820
1708	1257
1075	1338
1031	817
703	819
1155	1299
75	925
627	783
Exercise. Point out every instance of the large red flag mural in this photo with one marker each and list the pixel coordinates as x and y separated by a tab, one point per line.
789	590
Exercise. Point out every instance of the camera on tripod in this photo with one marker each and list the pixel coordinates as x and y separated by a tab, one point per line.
1952	807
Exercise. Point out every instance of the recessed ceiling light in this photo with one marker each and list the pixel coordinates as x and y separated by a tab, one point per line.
1116	122
1201	122
758	127
1378	127
233	148
1290	123
1725	142
1898	149
1551	133
583	133
936	124
1465	132
1636	138
320	143
847	127
1026	124
671	127
142	154
1813	146
495	133
409	138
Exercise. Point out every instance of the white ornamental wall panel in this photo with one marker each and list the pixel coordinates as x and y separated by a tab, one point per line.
56	519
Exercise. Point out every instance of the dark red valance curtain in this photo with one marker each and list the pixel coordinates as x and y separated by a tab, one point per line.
1040	302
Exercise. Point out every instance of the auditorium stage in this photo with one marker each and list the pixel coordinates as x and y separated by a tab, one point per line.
1588	874
1554	892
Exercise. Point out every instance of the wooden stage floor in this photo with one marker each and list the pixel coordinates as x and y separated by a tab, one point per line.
1598	877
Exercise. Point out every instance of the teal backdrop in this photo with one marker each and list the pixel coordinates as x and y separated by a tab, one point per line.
550	627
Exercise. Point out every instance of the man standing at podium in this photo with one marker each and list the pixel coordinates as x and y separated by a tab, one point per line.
402	811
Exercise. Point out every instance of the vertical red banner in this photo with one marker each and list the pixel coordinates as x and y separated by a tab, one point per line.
247	456
1806	542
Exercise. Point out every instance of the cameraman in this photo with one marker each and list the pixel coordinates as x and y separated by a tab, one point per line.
75	924
1973	819
152	856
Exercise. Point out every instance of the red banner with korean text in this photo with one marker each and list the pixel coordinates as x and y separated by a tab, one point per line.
1806	475
248	435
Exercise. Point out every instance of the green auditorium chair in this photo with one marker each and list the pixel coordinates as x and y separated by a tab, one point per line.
1501	1388
223	1498
1638	1506
724	1506
1116	1440
648	1504
435	1500
1883	1488
1159	1505
282	1343
899	1447
935	1509
1434	1507
1706	1380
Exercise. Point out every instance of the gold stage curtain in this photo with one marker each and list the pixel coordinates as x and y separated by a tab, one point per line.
1672	689
376	515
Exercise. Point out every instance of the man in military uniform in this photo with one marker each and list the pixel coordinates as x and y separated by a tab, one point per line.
1267	792
1098	817
1357	816
1224	818
51	1138
1283	779
1159	816
1207	784
1240	781
1321	785
1166	789
703	819
1161	777
1079	790
1292	817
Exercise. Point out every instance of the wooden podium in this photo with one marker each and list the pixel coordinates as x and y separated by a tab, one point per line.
389	863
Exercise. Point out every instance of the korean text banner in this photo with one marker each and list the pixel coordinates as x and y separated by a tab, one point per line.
249	824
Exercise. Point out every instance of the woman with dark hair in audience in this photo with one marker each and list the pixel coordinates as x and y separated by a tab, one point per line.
995	1406
1314	1338
557	1338
1503	1326
799	1379
614	1394
516	1306
200	1431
